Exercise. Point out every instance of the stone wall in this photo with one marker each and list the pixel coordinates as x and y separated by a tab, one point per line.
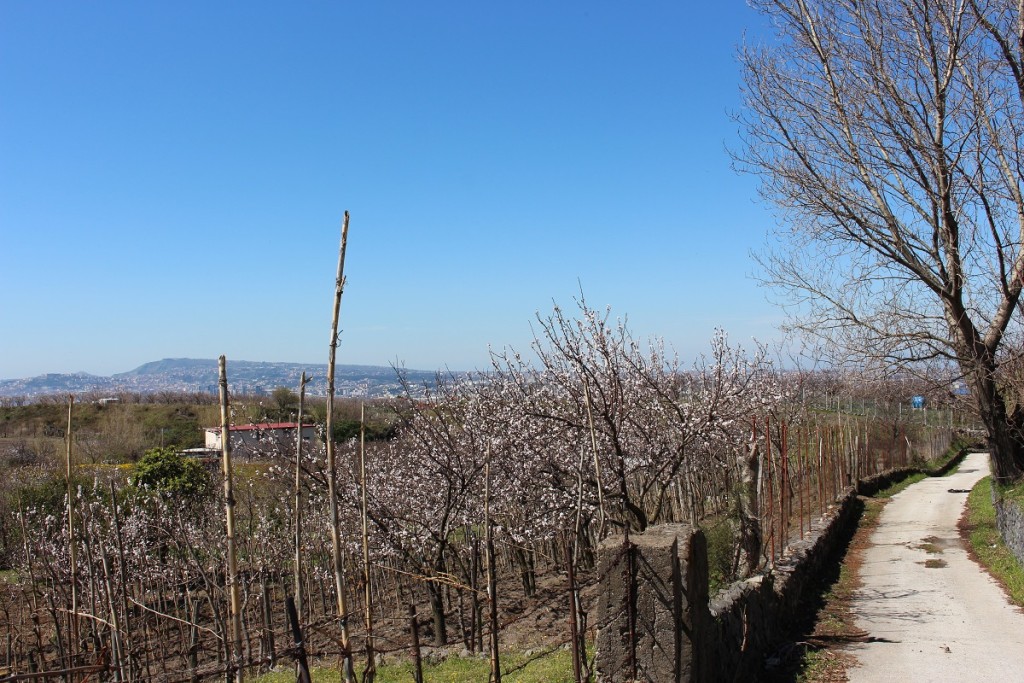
655	619
1010	522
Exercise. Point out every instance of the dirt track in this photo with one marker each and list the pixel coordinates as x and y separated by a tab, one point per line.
930	613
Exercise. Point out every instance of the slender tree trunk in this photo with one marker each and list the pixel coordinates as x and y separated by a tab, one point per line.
748	553
575	640
602	528
436	596
417	659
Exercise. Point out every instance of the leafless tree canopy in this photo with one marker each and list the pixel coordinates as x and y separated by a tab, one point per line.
889	134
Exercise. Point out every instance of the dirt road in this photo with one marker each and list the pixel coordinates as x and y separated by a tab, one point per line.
931	614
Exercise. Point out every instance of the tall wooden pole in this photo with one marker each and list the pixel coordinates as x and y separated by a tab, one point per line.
72	545
229	515
348	673
297	516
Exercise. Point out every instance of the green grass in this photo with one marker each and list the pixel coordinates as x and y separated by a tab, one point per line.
901	485
980	522
721	538
555	667
1015	492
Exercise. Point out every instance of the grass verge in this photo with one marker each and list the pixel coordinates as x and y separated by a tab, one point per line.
979	528
553	667
901	485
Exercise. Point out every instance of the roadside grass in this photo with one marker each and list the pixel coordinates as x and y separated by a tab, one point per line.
517	667
979	527
901	486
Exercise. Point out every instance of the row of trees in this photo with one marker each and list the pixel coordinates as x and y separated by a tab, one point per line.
599	435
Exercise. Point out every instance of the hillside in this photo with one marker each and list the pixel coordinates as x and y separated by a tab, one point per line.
200	375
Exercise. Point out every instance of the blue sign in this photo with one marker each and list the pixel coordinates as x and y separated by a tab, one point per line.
917	402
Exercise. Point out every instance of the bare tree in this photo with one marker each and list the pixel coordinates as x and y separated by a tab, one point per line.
889	134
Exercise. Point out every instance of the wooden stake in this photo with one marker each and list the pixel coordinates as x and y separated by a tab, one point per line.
72	545
348	675
302	667
229	516
297	514
492	585
371	664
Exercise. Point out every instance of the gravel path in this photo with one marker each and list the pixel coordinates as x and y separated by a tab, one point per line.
931	614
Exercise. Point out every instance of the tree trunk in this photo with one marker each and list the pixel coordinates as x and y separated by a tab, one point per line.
436	595
748	552
1005	430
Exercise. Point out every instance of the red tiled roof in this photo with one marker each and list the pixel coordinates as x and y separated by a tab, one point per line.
262	425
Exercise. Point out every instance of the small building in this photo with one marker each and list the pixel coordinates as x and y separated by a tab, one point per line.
265	437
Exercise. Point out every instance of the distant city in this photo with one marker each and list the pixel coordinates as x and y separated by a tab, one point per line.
244	377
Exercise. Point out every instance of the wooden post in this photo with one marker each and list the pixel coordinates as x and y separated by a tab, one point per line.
72	545
297	514
229	516
492	585
268	622
302	667
417	657
371	664
348	674
116	646
123	577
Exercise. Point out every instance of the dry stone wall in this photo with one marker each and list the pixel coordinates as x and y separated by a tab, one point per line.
657	625
1010	522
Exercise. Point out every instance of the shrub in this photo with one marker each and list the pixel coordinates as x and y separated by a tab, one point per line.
168	471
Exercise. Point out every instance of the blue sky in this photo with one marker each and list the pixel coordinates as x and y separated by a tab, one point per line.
173	176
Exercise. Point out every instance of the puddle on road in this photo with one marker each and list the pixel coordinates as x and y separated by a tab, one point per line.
934	564
933	545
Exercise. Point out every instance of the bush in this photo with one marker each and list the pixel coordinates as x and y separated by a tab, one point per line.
168	471
721	537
